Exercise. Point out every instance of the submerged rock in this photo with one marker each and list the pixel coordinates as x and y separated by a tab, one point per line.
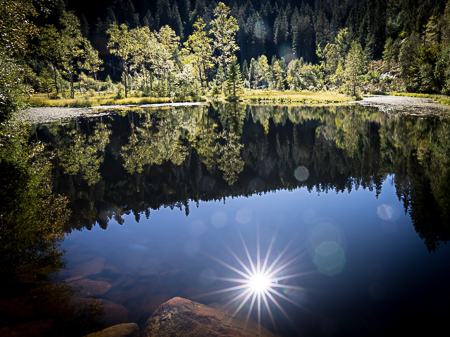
87	268
182	317
113	313
119	330
89	288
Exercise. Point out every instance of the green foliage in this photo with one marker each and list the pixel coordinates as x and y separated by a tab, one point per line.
234	86
70	47
121	45
199	51
15	27
46	84
13	90
223	29
332	57
91	62
301	75
32	217
354	69
83	155
442	71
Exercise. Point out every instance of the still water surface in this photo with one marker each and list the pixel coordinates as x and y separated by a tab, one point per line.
346	208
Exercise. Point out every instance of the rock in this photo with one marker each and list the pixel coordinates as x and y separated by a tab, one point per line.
89	288
182	317
151	305
113	313
71	279
87	268
119	330
30	329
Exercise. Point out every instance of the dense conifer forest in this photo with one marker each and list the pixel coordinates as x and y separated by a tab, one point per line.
184	48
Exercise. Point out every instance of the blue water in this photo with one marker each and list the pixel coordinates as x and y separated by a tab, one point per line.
376	276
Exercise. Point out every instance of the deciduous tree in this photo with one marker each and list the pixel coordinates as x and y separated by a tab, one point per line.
223	30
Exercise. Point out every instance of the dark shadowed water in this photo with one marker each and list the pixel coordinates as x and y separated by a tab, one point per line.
345	210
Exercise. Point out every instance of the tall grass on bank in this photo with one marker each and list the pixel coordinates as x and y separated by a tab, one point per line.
286	97
40	100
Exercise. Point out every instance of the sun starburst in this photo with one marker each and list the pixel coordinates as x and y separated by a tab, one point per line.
260	281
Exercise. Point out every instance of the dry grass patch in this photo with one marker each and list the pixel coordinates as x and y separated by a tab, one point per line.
305	97
41	100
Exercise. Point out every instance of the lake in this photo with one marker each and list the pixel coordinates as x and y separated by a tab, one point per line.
317	221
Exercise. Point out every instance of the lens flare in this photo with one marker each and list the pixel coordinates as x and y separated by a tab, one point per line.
260	282
385	212
301	173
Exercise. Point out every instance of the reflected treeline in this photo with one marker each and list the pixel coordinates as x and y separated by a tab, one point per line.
33	300
144	160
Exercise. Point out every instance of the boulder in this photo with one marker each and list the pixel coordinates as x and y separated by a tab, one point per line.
87	268
182	317
113	313
89	288
119	330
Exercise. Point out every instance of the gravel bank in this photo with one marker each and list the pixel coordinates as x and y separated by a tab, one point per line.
48	115
411	106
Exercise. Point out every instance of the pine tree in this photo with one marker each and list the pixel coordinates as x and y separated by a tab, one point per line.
163	13
354	68
281	28
234	84
131	18
110	17
324	34
148	20
176	23
84	26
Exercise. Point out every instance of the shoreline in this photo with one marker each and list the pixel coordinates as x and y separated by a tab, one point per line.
405	105
399	105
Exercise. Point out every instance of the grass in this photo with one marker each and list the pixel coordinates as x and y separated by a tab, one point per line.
41	100
443	99
250	96
305	97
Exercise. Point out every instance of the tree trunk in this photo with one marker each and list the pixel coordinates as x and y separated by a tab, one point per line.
72	90
126	82
151	81
96	84
56	78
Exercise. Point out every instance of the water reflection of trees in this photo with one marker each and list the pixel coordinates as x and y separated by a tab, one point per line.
166	158
32	219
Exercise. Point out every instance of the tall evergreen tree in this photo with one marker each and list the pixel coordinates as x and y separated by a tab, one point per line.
148	20
234	84
84	26
176	22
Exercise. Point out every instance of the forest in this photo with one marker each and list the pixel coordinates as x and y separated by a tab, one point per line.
185	49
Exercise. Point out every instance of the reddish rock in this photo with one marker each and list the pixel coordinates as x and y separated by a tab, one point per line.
120	330
182	317
89	288
87	268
